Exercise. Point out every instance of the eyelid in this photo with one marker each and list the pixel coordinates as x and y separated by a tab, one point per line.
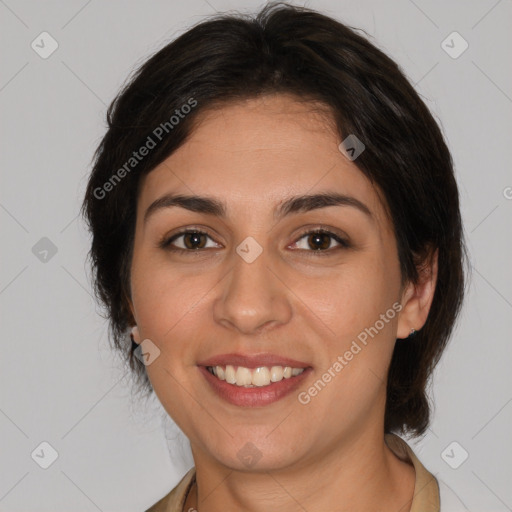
320	228
340	237
166	240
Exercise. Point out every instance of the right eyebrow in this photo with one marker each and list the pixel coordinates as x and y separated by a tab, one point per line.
199	204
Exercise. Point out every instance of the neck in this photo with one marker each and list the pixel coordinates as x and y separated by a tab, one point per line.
363	474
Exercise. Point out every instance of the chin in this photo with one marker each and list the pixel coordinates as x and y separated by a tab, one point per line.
256	451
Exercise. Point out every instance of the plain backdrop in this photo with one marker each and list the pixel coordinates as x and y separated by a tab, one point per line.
61	385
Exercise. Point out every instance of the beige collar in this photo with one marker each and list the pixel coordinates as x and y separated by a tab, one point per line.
426	489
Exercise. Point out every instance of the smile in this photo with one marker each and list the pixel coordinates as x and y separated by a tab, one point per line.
253	377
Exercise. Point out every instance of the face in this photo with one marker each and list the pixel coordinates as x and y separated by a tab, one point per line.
269	284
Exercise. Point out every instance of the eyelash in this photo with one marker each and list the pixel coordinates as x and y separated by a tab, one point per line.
166	242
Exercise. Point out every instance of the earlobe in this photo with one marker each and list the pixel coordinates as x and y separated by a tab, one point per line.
132	319
135	335
417	299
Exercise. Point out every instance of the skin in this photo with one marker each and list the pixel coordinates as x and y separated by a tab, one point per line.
290	301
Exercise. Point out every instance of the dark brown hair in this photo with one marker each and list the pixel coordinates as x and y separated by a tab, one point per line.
288	49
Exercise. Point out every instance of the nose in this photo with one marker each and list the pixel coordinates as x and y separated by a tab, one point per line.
253	298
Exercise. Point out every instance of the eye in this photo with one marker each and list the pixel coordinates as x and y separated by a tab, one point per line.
320	241
191	240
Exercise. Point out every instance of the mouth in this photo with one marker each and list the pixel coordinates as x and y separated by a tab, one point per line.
253	377
253	381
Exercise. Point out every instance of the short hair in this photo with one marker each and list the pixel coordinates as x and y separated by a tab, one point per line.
294	50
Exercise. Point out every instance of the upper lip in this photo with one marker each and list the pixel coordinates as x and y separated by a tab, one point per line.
252	361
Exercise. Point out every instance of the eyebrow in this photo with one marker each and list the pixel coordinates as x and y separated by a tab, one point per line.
293	205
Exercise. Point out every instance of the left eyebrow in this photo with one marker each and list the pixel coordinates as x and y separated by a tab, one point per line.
306	203
293	205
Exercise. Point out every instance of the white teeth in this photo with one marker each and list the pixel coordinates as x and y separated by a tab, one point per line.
261	376
243	376
257	377
276	373
230	374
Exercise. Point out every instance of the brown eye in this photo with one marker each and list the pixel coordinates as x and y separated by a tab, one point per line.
187	241
320	241
194	240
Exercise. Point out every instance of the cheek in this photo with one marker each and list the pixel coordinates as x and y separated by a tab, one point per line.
164	300
352	297
169	310
356	305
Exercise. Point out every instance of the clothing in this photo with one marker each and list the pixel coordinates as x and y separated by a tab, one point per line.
428	492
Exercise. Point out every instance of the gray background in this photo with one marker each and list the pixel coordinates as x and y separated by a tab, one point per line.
59	381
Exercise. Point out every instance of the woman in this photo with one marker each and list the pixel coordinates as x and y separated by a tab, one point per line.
276	224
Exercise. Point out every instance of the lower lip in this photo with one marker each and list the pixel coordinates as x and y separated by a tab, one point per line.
257	396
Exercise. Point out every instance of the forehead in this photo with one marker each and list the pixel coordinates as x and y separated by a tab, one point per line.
256	153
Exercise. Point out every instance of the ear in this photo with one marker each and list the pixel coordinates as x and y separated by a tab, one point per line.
417	298
136	334
135	330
